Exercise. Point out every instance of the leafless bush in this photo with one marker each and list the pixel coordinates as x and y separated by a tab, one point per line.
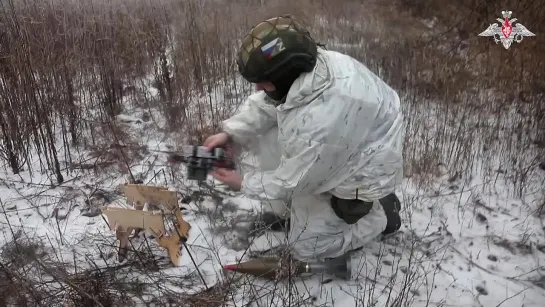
34	274
67	68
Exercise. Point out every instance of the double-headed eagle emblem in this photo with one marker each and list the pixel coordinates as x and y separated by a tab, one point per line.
507	30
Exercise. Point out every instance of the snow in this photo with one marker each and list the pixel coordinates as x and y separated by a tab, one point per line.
460	245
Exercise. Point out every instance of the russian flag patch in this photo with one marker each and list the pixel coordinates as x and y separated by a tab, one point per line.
273	48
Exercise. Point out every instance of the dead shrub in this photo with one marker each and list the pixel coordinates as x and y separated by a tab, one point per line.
67	68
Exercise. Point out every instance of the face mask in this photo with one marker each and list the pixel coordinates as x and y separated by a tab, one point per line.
276	96
283	84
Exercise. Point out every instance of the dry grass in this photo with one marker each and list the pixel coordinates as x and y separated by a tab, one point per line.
69	67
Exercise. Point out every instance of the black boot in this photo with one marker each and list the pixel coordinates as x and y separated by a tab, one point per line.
392	206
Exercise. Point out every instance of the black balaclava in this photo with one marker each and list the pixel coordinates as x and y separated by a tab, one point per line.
283	84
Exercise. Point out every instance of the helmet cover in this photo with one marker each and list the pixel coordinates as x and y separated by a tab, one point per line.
276	49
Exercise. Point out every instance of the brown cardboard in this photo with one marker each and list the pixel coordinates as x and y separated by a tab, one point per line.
124	220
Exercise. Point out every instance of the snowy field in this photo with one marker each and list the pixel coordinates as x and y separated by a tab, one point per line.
473	197
461	244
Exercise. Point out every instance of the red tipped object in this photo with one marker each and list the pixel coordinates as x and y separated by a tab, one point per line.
230	267
261	267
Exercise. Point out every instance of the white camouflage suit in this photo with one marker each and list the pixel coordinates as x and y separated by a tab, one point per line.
339	132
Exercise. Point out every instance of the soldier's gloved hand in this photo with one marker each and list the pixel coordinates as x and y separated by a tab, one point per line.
216	140
229	177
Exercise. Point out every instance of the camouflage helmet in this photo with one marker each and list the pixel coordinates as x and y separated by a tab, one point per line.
274	48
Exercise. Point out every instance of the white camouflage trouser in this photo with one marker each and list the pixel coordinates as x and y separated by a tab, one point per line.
316	232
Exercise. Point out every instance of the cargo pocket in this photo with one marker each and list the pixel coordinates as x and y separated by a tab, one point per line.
350	210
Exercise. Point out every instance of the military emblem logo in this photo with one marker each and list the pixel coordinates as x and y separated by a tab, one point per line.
507	30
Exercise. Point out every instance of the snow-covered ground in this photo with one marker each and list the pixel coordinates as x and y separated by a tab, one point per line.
461	245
